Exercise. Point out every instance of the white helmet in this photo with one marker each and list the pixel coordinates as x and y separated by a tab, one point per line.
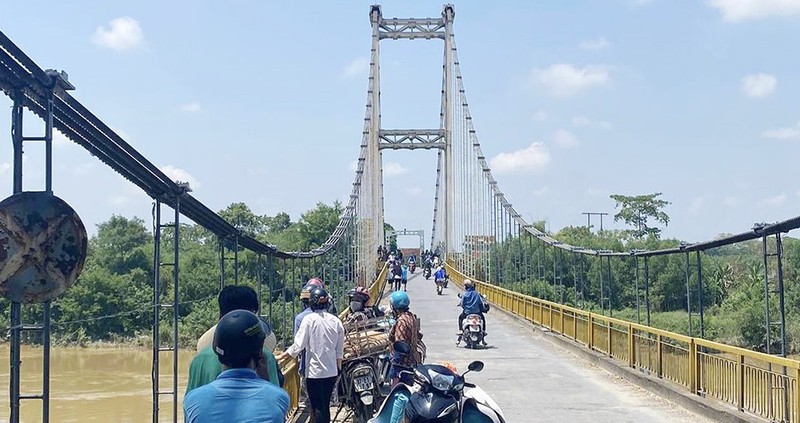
468	283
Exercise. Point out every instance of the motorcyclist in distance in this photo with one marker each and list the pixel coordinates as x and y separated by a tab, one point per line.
471	303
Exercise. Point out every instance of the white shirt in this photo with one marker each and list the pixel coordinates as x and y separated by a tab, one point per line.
207	340
321	334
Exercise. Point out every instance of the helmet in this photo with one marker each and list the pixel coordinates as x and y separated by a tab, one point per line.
316	282
239	336
399	300
359	294
319	299
305	293
468	284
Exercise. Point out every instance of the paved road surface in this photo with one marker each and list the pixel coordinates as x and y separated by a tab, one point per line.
530	378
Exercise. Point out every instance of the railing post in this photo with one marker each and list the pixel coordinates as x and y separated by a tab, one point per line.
608	331
796	408
660	355
631	345
561	310
692	366
740	383
590	330
550	320
575	325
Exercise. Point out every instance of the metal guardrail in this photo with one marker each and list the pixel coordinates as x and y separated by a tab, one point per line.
753	382
289	366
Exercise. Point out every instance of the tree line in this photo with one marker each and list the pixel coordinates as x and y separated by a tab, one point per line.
733	288
112	299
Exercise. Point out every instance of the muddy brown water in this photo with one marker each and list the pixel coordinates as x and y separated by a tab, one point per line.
94	384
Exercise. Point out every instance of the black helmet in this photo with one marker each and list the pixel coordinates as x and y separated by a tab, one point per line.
305	293
239	337
319	299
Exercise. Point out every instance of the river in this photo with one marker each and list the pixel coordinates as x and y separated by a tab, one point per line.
100	385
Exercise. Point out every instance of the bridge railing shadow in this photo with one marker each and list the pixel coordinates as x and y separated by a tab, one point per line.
760	384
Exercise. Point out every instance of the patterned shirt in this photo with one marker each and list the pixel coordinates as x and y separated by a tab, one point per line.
406	329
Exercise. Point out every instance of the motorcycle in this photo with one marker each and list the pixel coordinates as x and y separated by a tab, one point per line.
359	387
471	331
439	286
426	272
434	393
412	266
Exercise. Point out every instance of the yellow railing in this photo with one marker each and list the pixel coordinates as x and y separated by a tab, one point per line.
753	382
289	366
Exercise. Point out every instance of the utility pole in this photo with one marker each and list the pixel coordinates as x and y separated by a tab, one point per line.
589	219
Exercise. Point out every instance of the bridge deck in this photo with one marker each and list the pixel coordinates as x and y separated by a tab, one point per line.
530	378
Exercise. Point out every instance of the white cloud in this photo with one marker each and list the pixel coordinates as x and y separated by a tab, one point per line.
783	133
61	140
742	10
596	192
564	80
730	202
595	45
696	206
4	168
358	67
759	84
192	107
774	201
393	169
180	175
565	139
534	158
584	121
122	34
540	192
540	116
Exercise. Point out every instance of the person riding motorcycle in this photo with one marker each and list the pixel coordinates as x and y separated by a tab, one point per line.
471	303
406	329
359	297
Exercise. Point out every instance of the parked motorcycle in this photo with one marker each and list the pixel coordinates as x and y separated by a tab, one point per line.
360	387
434	393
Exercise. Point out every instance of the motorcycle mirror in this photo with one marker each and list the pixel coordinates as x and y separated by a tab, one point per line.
402	347
475	366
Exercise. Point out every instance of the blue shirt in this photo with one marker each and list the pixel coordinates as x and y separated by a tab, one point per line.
471	302
237	395
405	272
439	274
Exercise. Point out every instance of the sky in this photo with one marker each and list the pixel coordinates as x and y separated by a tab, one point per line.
263	102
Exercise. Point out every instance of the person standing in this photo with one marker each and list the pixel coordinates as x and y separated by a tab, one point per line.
205	367
321	335
238	394
404	277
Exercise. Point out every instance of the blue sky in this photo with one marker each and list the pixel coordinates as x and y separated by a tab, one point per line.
263	102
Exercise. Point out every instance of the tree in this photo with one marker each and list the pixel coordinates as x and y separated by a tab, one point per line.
637	210
316	225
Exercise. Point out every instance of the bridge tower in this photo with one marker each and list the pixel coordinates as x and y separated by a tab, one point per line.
411	139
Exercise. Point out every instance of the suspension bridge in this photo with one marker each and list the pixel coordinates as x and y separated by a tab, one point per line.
475	228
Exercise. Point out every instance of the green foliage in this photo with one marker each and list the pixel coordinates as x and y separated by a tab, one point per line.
637	210
112	299
732	289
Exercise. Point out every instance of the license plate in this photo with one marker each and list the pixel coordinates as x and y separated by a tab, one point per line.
363	383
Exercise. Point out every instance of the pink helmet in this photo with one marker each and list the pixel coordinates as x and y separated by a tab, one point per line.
316	282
